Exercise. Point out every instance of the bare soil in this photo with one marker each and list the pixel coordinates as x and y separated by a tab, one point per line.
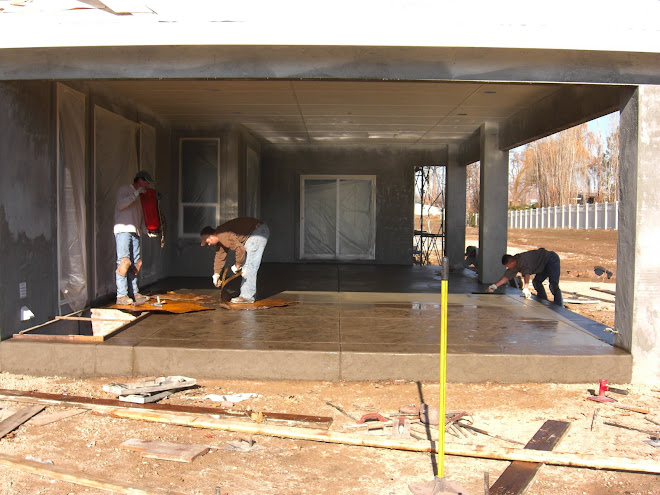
89	444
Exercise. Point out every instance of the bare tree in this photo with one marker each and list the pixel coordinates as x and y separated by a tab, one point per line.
559	164
521	180
610	183
472	186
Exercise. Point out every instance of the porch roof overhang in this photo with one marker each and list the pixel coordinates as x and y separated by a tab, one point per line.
422	74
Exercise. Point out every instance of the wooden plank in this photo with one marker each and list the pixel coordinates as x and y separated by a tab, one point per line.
27	330
169	451
480	451
63	474
302	420
606	291
45	419
39	337
29	334
17	419
516	478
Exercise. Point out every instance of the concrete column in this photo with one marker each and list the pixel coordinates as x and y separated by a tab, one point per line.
455	207
493	204
638	264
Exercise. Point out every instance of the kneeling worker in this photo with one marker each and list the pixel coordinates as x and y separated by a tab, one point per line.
540	262
247	238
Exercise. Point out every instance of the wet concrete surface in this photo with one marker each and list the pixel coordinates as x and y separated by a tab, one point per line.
354	322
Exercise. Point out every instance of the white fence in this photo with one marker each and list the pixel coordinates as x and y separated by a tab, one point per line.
587	216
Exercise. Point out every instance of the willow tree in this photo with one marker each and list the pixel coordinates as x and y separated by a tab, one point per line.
522	184
559	164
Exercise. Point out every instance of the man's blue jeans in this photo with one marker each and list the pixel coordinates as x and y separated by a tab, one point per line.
551	271
128	246
254	247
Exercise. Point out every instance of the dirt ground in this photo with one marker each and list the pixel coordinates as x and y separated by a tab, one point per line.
89	444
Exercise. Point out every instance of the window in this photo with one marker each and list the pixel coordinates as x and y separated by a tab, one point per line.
338	217
199	172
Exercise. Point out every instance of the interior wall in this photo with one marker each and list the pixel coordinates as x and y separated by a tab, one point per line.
188	258
27	204
281	168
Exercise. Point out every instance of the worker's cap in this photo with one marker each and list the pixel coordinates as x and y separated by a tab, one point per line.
206	231
144	175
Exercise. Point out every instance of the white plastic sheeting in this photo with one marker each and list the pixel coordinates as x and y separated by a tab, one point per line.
338	217
151	250
72	223
253	184
199	206
115	164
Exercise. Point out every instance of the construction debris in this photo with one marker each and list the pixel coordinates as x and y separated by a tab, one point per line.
17	419
146	391
516	478
45	419
168	451
71	476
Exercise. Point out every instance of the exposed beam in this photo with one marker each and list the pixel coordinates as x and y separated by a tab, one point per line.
470	149
331	62
566	108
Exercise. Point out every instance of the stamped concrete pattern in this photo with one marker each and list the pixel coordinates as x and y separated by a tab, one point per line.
362	334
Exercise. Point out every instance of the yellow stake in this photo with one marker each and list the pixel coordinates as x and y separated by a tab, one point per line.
443	367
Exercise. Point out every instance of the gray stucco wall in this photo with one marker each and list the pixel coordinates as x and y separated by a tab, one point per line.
281	168
28	194
186	257
27	204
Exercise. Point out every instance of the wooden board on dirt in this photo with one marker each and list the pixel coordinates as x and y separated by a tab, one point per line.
46	419
100	405
605	291
169	451
516	478
17	419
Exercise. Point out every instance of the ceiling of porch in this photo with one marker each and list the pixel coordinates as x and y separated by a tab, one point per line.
357	112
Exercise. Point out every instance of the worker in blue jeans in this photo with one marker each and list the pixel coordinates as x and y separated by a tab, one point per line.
247	238
539	262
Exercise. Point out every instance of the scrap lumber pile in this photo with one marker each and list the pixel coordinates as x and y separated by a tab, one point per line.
149	390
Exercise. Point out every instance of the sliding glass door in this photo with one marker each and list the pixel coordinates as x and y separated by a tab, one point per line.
338	220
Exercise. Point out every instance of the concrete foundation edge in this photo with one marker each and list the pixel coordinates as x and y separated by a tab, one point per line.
98	360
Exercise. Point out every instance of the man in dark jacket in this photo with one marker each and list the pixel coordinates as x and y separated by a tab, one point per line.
539	262
247	238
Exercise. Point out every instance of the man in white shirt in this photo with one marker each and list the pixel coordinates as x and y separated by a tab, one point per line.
128	222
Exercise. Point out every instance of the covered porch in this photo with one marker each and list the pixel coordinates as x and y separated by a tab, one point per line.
348	322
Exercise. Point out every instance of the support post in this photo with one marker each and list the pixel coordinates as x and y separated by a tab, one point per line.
455	207
493	204
638	266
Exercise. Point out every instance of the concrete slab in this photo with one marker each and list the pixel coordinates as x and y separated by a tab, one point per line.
372	332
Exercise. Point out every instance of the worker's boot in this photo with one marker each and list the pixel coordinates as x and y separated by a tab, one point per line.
124	301
241	300
140	299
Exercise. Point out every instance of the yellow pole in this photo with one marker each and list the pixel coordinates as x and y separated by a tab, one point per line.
443	367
